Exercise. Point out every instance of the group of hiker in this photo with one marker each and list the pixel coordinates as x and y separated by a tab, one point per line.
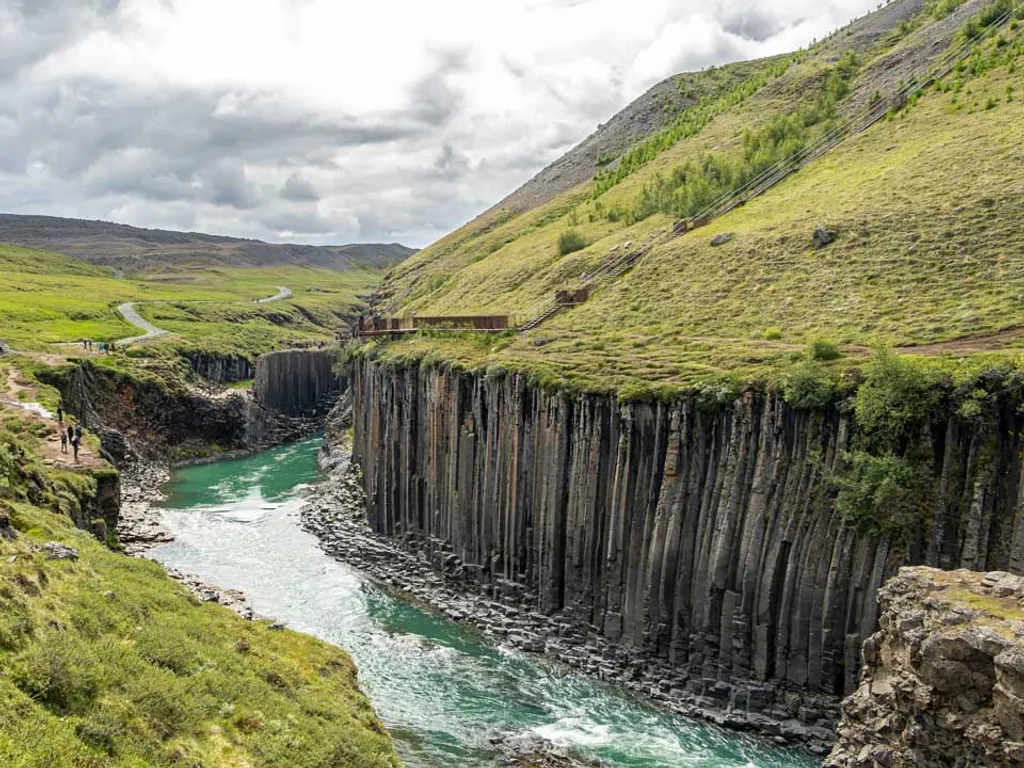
72	433
103	347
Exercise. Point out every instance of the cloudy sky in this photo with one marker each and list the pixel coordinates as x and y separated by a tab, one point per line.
330	121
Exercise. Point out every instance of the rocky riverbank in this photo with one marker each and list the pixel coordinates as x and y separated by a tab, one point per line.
336	514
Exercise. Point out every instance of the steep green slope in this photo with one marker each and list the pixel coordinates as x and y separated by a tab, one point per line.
104	661
922	207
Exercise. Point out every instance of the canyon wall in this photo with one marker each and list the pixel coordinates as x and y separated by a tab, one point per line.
296	381
705	538
218	368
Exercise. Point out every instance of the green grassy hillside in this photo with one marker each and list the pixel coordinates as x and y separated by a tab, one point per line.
928	250
48	298
106	662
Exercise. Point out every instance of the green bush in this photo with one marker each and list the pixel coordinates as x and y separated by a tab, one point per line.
898	398
823	350
772	334
689	123
882	494
943	8
693	186
570	241
808	386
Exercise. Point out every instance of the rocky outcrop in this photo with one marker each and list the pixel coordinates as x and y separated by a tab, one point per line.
7	532
155	417
99	512
297	381
943	680
700	537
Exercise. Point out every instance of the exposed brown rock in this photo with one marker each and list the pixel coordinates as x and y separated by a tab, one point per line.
943	679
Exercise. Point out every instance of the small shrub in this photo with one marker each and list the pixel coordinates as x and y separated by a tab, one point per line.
56	673
823	350
943	8
882	494
570	241
772	334
898	398
808	386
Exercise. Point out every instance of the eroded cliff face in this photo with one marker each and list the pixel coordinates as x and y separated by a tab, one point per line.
943	681
706	538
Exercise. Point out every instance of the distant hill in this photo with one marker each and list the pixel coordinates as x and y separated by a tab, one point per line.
134	249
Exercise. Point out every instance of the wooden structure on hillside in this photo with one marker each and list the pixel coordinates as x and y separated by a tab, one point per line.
376	325
570	298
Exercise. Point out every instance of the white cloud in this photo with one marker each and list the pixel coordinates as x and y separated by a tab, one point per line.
329	122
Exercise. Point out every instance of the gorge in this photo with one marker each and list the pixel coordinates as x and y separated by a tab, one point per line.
444	693
701	539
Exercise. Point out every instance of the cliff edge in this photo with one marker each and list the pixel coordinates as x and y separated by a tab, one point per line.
943	678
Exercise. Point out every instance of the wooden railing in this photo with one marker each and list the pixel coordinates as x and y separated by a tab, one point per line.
391	326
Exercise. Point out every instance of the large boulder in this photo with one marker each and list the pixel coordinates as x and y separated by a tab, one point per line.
943	678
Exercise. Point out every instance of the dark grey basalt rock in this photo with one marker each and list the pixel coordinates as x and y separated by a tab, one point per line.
56	551
693	555
297	381
823	237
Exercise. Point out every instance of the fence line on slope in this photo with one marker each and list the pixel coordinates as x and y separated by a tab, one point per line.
619	263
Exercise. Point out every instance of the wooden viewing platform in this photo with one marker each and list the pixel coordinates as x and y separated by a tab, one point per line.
376	325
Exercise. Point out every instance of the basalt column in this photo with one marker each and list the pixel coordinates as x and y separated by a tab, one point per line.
704	536
297	381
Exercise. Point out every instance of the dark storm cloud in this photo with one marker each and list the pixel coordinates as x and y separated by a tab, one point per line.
298	189
299	222
434	98
85	126
753	23
450	163
31	29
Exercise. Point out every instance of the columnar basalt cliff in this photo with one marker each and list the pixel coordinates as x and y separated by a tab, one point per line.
943	679
295	381
703	536
218	368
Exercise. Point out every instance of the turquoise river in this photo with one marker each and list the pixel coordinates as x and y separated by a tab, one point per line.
442	692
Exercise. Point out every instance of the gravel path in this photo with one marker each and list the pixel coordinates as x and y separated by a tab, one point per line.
129	313
283	292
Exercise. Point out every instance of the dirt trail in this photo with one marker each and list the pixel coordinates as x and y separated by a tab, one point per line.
129	313
283	292
31	410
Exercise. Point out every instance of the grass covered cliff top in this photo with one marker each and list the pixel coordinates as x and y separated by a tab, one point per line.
923	209
106	662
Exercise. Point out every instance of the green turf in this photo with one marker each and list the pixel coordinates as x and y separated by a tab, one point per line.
929	244
107	663
47	298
